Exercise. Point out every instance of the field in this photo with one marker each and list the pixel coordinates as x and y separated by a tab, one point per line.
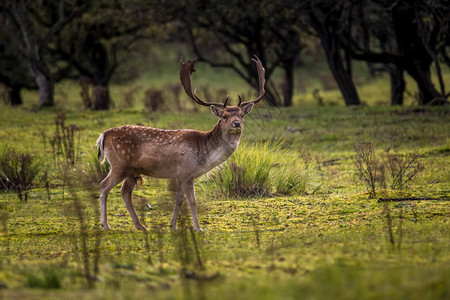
327	237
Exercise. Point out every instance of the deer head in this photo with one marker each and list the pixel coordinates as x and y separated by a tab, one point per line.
230	117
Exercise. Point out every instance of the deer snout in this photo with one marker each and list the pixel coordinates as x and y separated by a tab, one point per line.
237	124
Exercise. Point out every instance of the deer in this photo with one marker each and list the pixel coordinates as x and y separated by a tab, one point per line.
180	155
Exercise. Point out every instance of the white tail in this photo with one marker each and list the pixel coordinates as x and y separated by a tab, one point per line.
178	155
101	152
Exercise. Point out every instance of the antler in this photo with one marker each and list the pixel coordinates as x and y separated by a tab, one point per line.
261	80
186	69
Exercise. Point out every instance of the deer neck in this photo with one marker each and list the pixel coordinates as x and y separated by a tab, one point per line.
220	145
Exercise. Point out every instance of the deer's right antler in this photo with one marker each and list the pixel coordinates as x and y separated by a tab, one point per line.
186	69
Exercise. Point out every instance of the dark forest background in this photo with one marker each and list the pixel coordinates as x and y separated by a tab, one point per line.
43	42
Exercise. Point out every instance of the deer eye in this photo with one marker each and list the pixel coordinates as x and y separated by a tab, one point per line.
225	117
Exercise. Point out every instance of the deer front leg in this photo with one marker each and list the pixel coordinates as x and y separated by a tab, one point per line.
127	194
188	189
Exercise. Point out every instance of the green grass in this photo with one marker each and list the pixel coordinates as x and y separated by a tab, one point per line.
260	170
328	240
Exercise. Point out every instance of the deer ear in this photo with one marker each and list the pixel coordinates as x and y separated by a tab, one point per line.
247	108
216	111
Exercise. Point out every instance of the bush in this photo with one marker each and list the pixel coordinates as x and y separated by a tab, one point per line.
260	169
154	100
368	166
18	171
292	180
65	148
375	169
402	167
49	278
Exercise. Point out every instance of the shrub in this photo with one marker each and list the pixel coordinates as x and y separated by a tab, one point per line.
153	100
63	142
260	169
45	179
129	95
49	278
293	181
367	165
375	169
18	171
402	167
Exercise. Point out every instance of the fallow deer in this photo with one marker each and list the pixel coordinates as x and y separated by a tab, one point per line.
178	155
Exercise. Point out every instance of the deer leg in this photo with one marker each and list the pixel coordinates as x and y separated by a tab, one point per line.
105	187
179	197
188	189
127	195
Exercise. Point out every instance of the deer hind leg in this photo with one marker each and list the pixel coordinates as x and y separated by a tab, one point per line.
179	197
127	195
106	185
188	189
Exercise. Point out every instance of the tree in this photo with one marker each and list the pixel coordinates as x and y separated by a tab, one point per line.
228	33
99	42
372	28
417	35
330	21
31	25
14	72
417	59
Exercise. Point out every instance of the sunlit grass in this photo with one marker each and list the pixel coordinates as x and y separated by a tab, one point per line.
262	170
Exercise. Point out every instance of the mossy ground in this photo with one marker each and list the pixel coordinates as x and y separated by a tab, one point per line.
332	242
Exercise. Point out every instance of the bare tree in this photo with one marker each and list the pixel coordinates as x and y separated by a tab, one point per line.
405	36
14	72
225	33
95	45
330	21
31	25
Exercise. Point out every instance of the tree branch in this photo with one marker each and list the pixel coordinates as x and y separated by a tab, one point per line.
63	21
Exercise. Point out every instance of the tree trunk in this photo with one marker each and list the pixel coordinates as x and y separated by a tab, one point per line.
422	76
342	77
289	82
417	60
14	95
46	85
46	90
102	99
327	28
397	84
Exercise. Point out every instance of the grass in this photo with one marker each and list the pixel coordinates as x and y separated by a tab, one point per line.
328	239
260	170
341	243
